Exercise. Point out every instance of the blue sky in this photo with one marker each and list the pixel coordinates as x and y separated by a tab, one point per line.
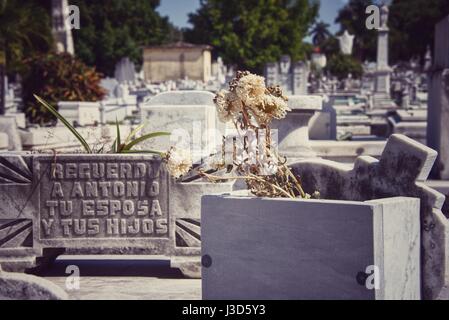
178	10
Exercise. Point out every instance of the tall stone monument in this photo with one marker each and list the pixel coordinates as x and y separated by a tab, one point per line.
60	26
438	110
382	99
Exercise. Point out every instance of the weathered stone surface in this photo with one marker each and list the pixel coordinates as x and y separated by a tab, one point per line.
4	141
257	248
123	278
438	118
8	125
97	204
189	98
293	130
404	162
16	286
438	105
191	118
79	112
441	60
347	151
62	140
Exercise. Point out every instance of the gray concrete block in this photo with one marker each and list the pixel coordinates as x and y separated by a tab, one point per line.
257	248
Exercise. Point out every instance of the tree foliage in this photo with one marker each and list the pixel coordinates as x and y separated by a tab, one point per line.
411	22
320	33
58	77
119	29
341	66
250	33
25	30
352	17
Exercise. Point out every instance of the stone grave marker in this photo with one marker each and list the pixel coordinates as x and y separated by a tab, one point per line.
190	116
403	167
438	110
265	248
97	204
79	112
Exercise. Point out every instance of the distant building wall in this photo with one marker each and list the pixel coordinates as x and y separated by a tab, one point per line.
177	61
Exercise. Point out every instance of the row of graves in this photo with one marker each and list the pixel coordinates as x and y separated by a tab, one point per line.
377	230
373	217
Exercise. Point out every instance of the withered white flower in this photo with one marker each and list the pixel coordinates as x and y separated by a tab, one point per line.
215	161
179	162
271	107
268	169
267	166
250	89
228	105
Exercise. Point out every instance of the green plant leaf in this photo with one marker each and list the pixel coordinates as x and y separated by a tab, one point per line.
65	122
130	145
114	146
118	146
134	132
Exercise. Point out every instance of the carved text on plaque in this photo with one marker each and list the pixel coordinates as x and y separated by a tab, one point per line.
103	199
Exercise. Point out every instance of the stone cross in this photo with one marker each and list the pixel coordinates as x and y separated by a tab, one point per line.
401	170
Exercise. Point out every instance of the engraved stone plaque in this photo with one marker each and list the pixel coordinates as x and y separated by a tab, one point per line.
98	204
102	198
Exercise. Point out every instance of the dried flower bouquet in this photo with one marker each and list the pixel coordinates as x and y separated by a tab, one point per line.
251	107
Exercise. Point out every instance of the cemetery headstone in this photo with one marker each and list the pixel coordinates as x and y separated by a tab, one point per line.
438	114
293	130
125	71
97	204
313	249
9	126
80	113
401	170
191	118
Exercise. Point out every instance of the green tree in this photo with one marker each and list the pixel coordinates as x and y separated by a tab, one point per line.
320	33
352	17
119	29
24	30
250	33
341	66
412	24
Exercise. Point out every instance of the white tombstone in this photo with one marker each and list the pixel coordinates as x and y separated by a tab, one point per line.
293	130
191	118
8	125
438	117
79	112
125	70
